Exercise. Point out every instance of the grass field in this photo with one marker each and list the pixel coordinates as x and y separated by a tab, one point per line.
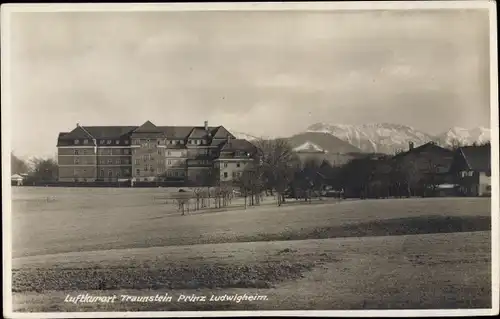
370	254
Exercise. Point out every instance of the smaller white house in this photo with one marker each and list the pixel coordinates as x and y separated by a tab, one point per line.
16	180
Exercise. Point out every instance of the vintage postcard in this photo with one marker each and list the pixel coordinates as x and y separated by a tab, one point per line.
250	159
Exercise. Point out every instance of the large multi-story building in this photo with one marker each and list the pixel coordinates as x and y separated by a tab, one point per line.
149	152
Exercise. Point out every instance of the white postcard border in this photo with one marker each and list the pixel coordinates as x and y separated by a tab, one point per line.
8	9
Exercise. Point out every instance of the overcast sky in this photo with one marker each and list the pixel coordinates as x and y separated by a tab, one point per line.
263	73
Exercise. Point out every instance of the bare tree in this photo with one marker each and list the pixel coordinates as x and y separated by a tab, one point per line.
430	177
250	184
411	175
277	162
17	165
405	175
209	178
198	195
44	169
485	143
182	201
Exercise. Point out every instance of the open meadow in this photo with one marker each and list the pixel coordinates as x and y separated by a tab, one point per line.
359	254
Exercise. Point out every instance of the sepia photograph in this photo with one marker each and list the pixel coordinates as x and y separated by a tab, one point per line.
249	159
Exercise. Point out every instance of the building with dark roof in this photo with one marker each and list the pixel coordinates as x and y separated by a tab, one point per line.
150	153
427	158
471	168
234	157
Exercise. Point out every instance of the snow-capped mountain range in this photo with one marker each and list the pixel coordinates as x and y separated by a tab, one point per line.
319	141
389	138
379	137
464	136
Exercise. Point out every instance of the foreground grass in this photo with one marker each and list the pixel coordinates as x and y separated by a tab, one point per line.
97	224
122	242
399	272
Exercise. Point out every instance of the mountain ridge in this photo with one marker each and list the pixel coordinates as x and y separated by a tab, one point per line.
388	138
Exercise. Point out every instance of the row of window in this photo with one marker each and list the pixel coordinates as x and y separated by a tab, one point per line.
175	173
125	151
103	152
235	174
101	142
78	161
151	143
77	172
147	157
150	168
109	151
161	161
126	173
143	142
176	162
237	164
118	162
160	170
466	173
120	152
471	173
200	162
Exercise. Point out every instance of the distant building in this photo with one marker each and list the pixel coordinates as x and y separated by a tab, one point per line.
235	156
427	158
312	151
145	153
427	166
472	170
16	180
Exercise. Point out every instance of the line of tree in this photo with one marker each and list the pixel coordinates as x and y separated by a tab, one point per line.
455	144
278	170
38	169
203	198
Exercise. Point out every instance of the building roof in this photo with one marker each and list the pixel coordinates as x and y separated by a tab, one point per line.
16	177
218	142
221	133
198	132
234	145
309	147
115	132
101	132
77	133
478	158
424	147
229	148
148	127
176	132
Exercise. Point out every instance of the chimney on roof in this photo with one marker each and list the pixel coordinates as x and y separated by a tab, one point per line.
228	138
77	124
410	145
206	126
